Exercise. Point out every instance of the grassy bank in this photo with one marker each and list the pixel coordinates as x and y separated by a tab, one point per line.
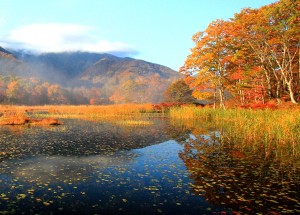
83	111
240	127
126	114
248	128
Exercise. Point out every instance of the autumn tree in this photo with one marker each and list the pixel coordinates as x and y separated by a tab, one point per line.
15	92
284	47
270	36
208	65
255	56
39	94
179	91
56	95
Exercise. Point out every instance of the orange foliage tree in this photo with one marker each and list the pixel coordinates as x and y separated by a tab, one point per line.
209	64
14	91
255	56
271	34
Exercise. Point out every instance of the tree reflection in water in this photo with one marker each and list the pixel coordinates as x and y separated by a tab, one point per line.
246	180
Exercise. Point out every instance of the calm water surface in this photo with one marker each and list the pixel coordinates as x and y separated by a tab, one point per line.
86	167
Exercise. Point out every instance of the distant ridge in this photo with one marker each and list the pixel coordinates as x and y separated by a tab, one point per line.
5	54
104	78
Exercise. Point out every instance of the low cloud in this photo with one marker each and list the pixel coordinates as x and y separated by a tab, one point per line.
55	37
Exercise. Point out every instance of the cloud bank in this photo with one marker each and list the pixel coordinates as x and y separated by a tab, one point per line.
54	37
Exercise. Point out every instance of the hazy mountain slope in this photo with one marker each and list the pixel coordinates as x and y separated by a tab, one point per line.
11	66
130	80
6	54
113	65
101	77
69	64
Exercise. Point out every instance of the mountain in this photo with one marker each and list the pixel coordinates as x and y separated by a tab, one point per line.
69	64
5	54
82	77
111	65
129	80
11	66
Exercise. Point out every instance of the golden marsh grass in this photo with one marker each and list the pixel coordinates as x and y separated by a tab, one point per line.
272	128
83	111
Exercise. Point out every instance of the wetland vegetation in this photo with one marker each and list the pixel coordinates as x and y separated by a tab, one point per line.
132	159
237	152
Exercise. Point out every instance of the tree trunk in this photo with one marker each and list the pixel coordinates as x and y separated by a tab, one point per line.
222	97
269	86
278	86
291	92
215	98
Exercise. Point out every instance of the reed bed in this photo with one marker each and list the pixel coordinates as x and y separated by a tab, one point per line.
18	116
83	111
249	128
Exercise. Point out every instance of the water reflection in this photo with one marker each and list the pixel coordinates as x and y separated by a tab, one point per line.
95	168
248	179
100	168
64	169
77	138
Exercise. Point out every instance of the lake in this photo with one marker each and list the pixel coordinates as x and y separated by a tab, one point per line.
87	167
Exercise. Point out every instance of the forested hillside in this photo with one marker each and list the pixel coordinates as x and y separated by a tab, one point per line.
80	78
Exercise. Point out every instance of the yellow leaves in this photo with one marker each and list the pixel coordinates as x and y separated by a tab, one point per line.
21	196
3	197
151	188
46	203
30	191
197	37
203	95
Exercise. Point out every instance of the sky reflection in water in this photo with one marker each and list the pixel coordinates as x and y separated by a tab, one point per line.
102	168
95	168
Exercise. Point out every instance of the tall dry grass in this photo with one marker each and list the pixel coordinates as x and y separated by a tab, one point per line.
18	115
249	128
83	111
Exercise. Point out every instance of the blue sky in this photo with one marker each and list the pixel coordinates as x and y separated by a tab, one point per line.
158	31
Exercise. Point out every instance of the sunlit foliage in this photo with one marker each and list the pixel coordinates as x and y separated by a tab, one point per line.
274	128
255	56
